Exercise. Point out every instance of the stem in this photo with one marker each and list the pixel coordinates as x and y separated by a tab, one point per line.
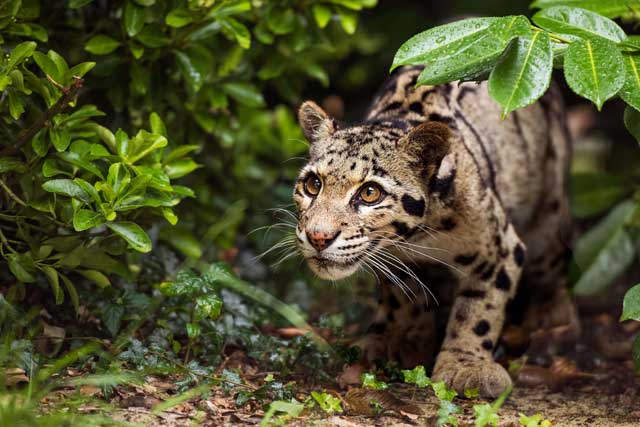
26	134
11	194
551	35
5	242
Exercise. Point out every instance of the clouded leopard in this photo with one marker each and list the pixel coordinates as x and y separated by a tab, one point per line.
434	175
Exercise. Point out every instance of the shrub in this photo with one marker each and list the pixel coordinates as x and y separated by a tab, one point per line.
105	105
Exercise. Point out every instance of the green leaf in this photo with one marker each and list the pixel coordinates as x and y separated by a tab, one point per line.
80	69
16	105
193	330
118	178
292	409
608	8
631	304
66	187
22	267
54	281
101	45
178	18
157	125
441	41
189	71
183	240
60	64
20	53
153	36
594	70
76	160
328	402
207	306
321	14
48	67
112	318
90	189
134	17
632	122
170	216
96	277
179	152
606	251
460	49
141	145
348	21
281	20
416	376
238	30
11	164
523	74
369	381
71	291
442	392
60	138
571	21
84	219
180	168
245	93
630	92
133	234
594	193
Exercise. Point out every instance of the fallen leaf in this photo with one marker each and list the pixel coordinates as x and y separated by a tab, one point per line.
351	375
363	401
14	376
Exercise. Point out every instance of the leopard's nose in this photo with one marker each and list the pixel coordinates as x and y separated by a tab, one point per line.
321	240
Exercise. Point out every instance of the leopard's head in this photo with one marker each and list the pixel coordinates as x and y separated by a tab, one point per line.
364	188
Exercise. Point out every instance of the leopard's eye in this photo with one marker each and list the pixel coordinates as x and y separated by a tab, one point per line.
312	185
371	193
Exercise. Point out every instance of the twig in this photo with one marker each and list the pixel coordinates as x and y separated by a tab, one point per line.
11	194
26	134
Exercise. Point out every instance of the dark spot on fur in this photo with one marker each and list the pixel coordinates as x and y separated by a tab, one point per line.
353	165
487	344
390	317
480	267
448	224
393	302
489	306
415	311
413	206
518	254
554	206
465	259
453	335
460	316
442	186
503	282
416	107
481	328
471	293
486	275
401	228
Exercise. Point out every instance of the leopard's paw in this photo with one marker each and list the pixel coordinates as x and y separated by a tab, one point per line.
373	347
489	377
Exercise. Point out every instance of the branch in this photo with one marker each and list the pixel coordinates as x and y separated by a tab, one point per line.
26	134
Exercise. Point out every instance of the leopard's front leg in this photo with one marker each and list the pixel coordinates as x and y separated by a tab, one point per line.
465	360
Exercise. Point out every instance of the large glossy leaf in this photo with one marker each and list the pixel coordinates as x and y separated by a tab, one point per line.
52	276
84	219
630	92
141	145
9	164
523	74
606	251
76	160
608	8
20	53
22	267
245	93
632	122
594	70
441	41
571	21
66	187
474	56
631	304
133	234
190	72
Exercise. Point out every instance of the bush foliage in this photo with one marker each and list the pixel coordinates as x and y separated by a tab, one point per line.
114	112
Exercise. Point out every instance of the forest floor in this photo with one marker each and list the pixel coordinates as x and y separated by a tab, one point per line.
593	384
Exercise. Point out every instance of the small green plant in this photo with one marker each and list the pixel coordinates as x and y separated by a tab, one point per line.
534	421
328	402
417	376
631	311
369	380
288	410
487	413
447	410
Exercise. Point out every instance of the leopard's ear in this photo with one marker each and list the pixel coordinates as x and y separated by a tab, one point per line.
429	142
315	122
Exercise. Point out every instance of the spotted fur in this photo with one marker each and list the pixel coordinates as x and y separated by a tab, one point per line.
484	196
